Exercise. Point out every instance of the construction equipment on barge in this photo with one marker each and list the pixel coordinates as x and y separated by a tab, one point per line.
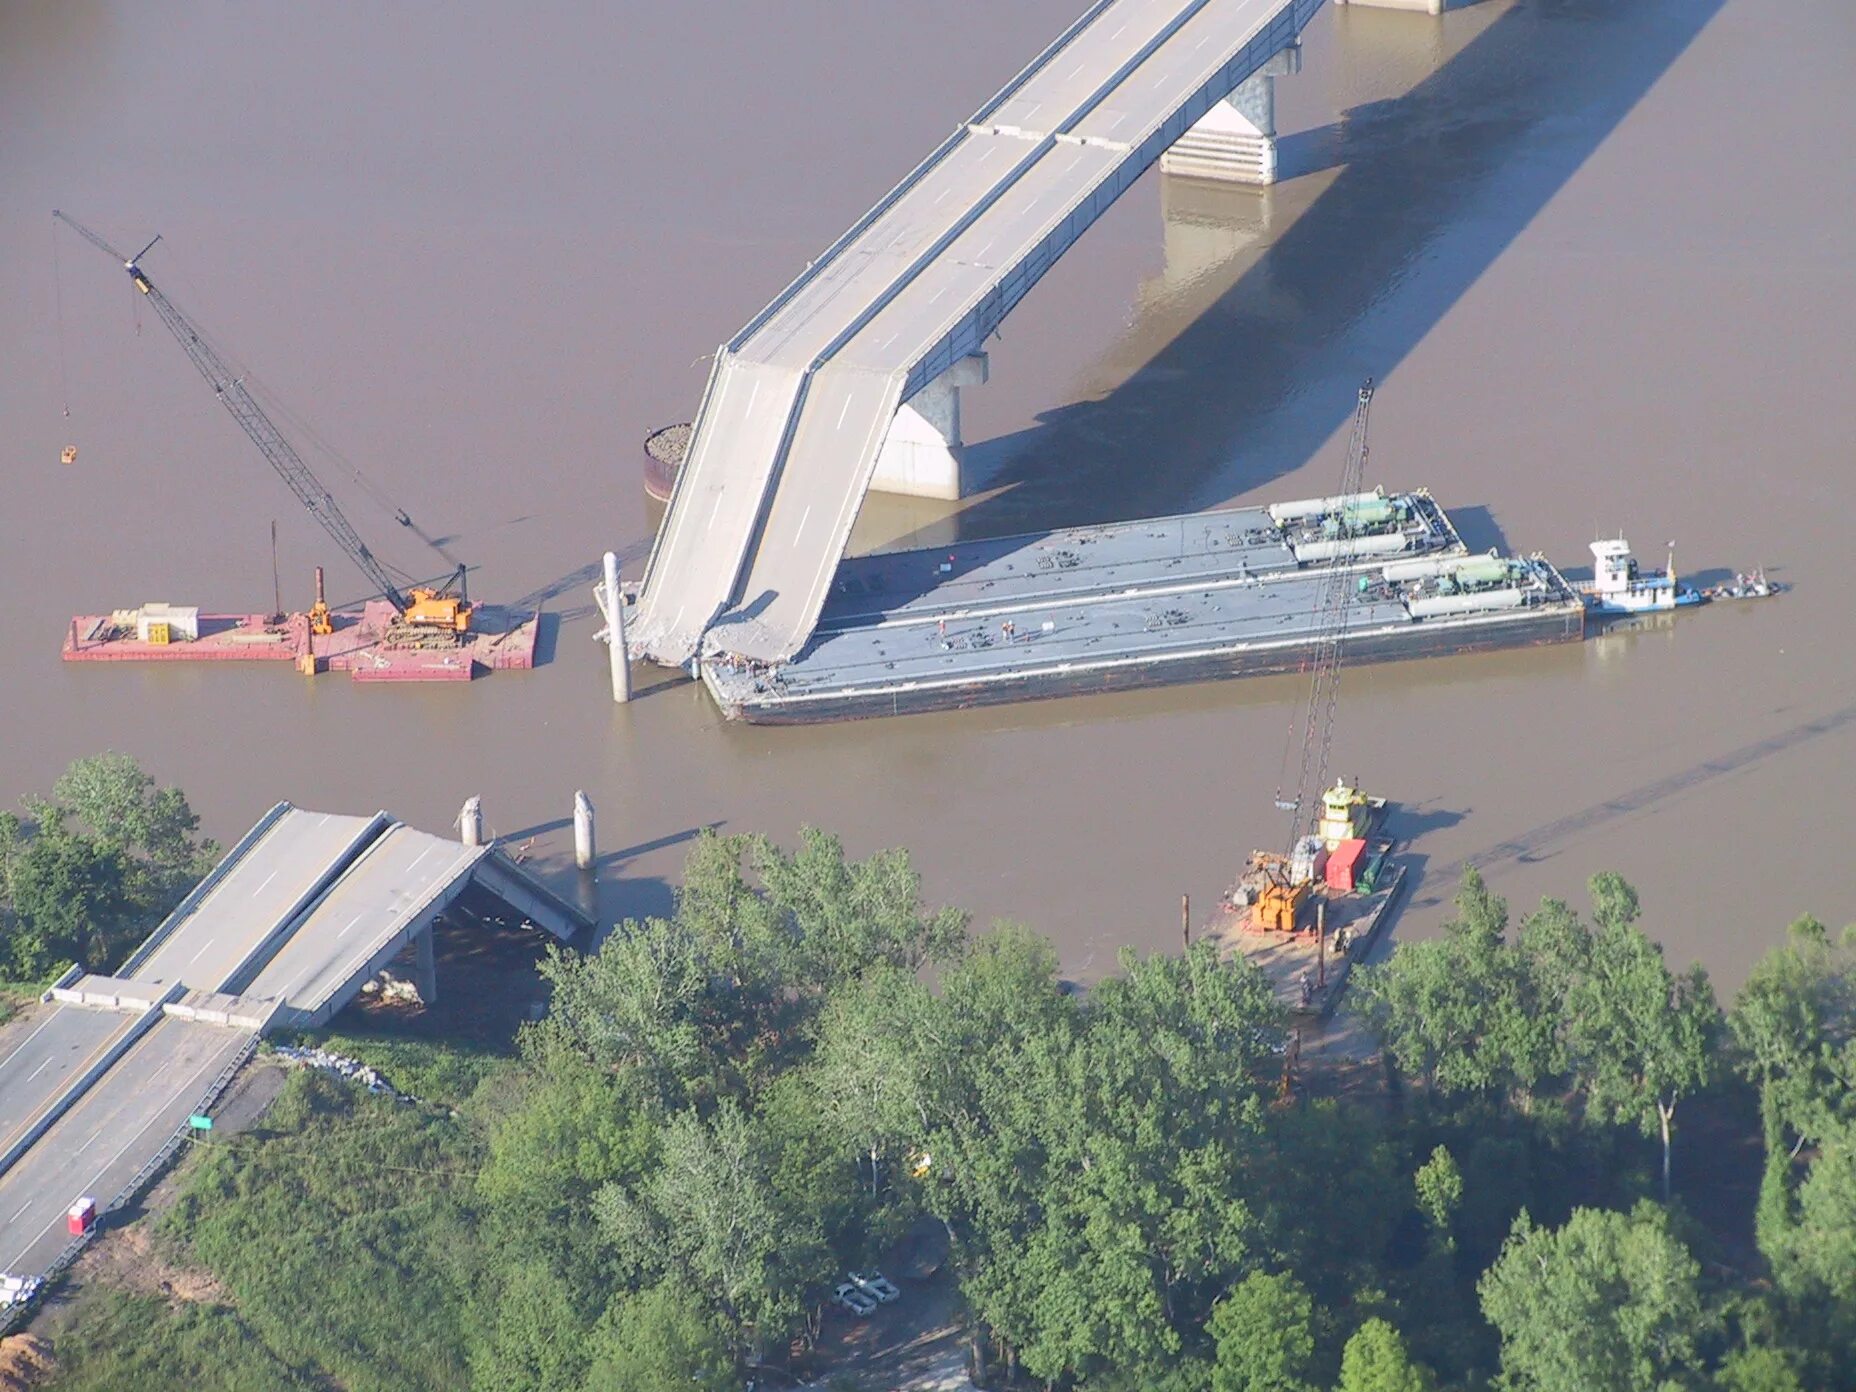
421	619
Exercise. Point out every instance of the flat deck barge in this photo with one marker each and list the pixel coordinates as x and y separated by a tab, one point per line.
363	643
1308	970
1131	613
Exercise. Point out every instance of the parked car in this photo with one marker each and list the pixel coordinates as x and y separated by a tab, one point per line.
876	1284
854	1300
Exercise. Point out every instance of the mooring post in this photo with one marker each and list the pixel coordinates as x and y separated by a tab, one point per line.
584	854
1185	918
1321	942
615	633
470	821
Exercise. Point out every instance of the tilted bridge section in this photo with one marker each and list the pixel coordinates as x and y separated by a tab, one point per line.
798	404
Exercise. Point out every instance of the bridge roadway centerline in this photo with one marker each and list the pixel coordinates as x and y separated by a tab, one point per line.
269	882
799	403
97	1147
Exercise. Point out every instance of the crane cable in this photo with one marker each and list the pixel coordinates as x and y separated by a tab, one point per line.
64	376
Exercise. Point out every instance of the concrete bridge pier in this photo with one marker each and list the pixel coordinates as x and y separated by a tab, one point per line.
923	452
1235	142
425	966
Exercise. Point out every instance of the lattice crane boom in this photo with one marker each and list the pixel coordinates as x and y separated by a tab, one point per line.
233	395
1335	598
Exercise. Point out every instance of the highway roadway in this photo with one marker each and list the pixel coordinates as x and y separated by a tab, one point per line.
266	886
799	403
65	1041
386	889
97	1147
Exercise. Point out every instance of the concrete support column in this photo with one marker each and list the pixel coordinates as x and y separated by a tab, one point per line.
611	601
1235	142
425	966
585	854
470	822
923	452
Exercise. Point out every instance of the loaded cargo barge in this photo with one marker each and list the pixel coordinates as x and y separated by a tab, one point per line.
1161	602
366	643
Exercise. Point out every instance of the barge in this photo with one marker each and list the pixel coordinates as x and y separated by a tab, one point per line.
1161	602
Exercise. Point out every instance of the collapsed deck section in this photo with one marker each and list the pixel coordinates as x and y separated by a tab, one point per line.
1232	621
786	440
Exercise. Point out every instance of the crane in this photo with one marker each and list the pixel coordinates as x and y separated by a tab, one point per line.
1336	596
1280	890
445	607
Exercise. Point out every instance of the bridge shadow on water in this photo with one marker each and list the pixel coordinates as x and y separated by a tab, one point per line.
1432	187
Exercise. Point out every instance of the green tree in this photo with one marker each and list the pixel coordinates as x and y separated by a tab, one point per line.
1792	1024
1376	1360
128	812
1460	1012
1607	1303
1641	1038
70	901
1758	1370
1263	1332
660	1339
1439	1185
711	1215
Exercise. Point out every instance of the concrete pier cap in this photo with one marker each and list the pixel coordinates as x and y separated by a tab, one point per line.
1431	7
923	455
1235	142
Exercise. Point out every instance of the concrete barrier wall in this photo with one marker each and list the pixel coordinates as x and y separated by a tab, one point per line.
81	1084
71	973
202	889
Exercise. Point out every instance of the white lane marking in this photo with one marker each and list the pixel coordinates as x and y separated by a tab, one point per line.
40	1069
204	948
29	1038
261	888
22	1208
801	529
351	923
843	411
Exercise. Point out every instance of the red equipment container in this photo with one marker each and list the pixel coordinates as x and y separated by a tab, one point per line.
1343	864
81	1217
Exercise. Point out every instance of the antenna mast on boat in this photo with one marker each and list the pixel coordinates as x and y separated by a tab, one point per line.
1337	589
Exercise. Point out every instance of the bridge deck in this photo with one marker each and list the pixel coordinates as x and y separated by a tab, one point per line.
799	403
64	1042
266	886
383	897
108	1135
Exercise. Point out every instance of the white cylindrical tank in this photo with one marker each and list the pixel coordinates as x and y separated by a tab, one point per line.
1399	572
1348	548
1314	507
1436	606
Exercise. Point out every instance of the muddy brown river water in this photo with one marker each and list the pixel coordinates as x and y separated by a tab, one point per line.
1601	255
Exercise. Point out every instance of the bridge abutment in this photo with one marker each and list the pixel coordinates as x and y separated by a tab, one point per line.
1235	142
923	454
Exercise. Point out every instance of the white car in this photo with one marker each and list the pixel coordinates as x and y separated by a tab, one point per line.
854	1300
876	1284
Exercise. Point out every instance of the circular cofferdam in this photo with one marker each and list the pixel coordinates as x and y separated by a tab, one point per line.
663	457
